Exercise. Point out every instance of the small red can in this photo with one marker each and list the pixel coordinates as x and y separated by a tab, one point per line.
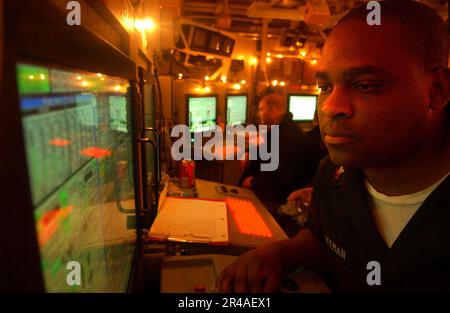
187	173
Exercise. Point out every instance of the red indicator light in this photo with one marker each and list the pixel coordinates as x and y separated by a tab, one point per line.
49	223
95	152
58	142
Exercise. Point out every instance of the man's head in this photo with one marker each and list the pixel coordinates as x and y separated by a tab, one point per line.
384	87
271	109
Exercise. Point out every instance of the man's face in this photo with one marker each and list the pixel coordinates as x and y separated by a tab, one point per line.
373	104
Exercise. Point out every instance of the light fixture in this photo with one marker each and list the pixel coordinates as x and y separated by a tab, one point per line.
180	76
268	60
237	86
145	24
282	84
274	82
313	62
223	78
207	78
243	82
253	61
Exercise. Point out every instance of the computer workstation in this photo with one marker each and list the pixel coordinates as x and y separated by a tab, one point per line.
80	169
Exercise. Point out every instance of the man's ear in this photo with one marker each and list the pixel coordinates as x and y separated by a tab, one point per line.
440	89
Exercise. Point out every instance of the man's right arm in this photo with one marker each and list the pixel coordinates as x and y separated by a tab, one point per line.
260	270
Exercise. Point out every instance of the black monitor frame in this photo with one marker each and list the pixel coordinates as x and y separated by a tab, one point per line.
226	106
302	95
40	34
188	96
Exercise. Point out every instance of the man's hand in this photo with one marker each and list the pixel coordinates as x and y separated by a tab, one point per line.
257	270
260	270
247	183
303	195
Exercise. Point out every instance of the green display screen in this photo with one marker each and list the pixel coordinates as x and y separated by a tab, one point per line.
302	107
236	110
78	143
202	113
33	79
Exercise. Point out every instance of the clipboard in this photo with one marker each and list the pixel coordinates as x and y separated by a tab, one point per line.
191	221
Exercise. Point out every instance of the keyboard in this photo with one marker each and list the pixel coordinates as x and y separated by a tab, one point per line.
247	218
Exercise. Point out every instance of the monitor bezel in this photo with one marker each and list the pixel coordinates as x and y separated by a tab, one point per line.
302	95
52	43
214	95
246	106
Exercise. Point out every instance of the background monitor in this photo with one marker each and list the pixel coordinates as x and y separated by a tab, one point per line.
236	107
77	130
302	107
202	113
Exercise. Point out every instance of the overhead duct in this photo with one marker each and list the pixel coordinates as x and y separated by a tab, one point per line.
267	11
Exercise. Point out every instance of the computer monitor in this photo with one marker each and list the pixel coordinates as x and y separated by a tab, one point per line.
78	135
202	113
236	109
302	107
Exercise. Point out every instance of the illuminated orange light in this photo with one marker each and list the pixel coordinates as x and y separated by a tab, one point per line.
58	142
145	24
247	218
96	153
48	224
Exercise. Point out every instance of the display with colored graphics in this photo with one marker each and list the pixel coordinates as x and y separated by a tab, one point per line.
302	107
236	109
78	142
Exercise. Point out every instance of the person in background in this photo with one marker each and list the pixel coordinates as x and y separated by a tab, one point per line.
380	213
297	161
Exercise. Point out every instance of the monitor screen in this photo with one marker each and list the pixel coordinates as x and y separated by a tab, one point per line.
236	110
302	107
202	113
78	143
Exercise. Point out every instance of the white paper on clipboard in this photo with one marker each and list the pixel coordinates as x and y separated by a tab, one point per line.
191	220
